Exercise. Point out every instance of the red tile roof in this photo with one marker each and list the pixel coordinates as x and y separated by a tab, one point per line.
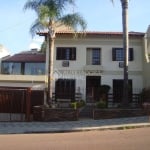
26	57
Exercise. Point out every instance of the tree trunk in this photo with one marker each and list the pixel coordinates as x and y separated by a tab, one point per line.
124	3
50	68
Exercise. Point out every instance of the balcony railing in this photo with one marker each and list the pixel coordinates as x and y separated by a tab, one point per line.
22	78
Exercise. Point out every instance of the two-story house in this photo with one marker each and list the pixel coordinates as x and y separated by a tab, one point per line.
83	64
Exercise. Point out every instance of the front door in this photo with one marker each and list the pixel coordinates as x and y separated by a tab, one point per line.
118	90
92	88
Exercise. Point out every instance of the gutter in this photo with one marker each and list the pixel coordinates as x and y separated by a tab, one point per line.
145	48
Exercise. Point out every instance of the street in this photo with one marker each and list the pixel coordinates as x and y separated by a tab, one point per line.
127	139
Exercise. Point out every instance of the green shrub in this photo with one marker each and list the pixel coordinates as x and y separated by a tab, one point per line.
81	103
145	95
78	104
101	104
103	92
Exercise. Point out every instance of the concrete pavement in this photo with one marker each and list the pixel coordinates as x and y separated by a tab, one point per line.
72	126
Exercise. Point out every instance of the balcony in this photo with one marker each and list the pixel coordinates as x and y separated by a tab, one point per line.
22	78
37	82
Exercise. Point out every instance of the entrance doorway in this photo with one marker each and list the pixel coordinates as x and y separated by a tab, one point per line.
92	88
118	90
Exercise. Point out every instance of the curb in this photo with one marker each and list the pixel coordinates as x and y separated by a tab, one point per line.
102	128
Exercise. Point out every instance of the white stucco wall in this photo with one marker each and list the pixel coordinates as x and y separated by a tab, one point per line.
109	69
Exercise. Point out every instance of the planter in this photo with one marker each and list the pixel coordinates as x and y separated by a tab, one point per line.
61	114
146	107
38	113
54	114
117	113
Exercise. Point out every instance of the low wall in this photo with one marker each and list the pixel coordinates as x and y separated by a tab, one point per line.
55	114
117	113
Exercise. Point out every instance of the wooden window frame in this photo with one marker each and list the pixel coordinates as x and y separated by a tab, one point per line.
114	57
66	53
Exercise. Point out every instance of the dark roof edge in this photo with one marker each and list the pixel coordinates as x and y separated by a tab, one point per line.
94	33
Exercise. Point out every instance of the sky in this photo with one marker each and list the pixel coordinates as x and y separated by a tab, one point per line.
100	15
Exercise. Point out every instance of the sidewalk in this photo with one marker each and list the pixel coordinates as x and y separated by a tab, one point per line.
72	126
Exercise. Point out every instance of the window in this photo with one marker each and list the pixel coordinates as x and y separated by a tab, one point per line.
65	88
93	56
11	68
34	69
118	90
118	54
23	68
66	53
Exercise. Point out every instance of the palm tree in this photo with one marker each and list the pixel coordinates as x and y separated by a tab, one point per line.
124	4
51	16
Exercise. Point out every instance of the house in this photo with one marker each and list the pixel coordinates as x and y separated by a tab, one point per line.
25	69
83	64
22	84
146	66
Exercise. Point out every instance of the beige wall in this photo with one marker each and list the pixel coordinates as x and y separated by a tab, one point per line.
108	70
35	82
146	74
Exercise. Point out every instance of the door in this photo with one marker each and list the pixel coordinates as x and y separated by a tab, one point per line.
92	88
118	90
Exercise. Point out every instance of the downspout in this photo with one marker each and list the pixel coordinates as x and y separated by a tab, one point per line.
145	48
146	58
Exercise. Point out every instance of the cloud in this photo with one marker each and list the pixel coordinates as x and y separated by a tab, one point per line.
36	43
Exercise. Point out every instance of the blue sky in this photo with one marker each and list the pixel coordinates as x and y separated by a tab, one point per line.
101	15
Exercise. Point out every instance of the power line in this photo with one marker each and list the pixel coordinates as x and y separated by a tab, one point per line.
15	25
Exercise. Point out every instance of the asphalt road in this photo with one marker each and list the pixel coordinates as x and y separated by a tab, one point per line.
127	139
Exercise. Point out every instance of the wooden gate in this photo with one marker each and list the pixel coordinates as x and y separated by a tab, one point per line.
15	104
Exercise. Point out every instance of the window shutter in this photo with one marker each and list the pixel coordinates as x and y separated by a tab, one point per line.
113	54
73	53
131	55
58	53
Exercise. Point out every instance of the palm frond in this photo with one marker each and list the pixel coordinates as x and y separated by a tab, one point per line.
63	3
32	4
74	21
37	26
50	13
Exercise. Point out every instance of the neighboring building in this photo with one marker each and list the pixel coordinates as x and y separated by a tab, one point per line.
25	69
83	64
146	66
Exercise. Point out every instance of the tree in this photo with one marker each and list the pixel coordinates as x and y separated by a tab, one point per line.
124	4
43	47
51	16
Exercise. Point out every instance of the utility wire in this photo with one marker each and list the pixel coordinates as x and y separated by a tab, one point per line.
15	25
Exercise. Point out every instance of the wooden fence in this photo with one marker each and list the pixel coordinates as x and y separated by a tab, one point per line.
16	104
